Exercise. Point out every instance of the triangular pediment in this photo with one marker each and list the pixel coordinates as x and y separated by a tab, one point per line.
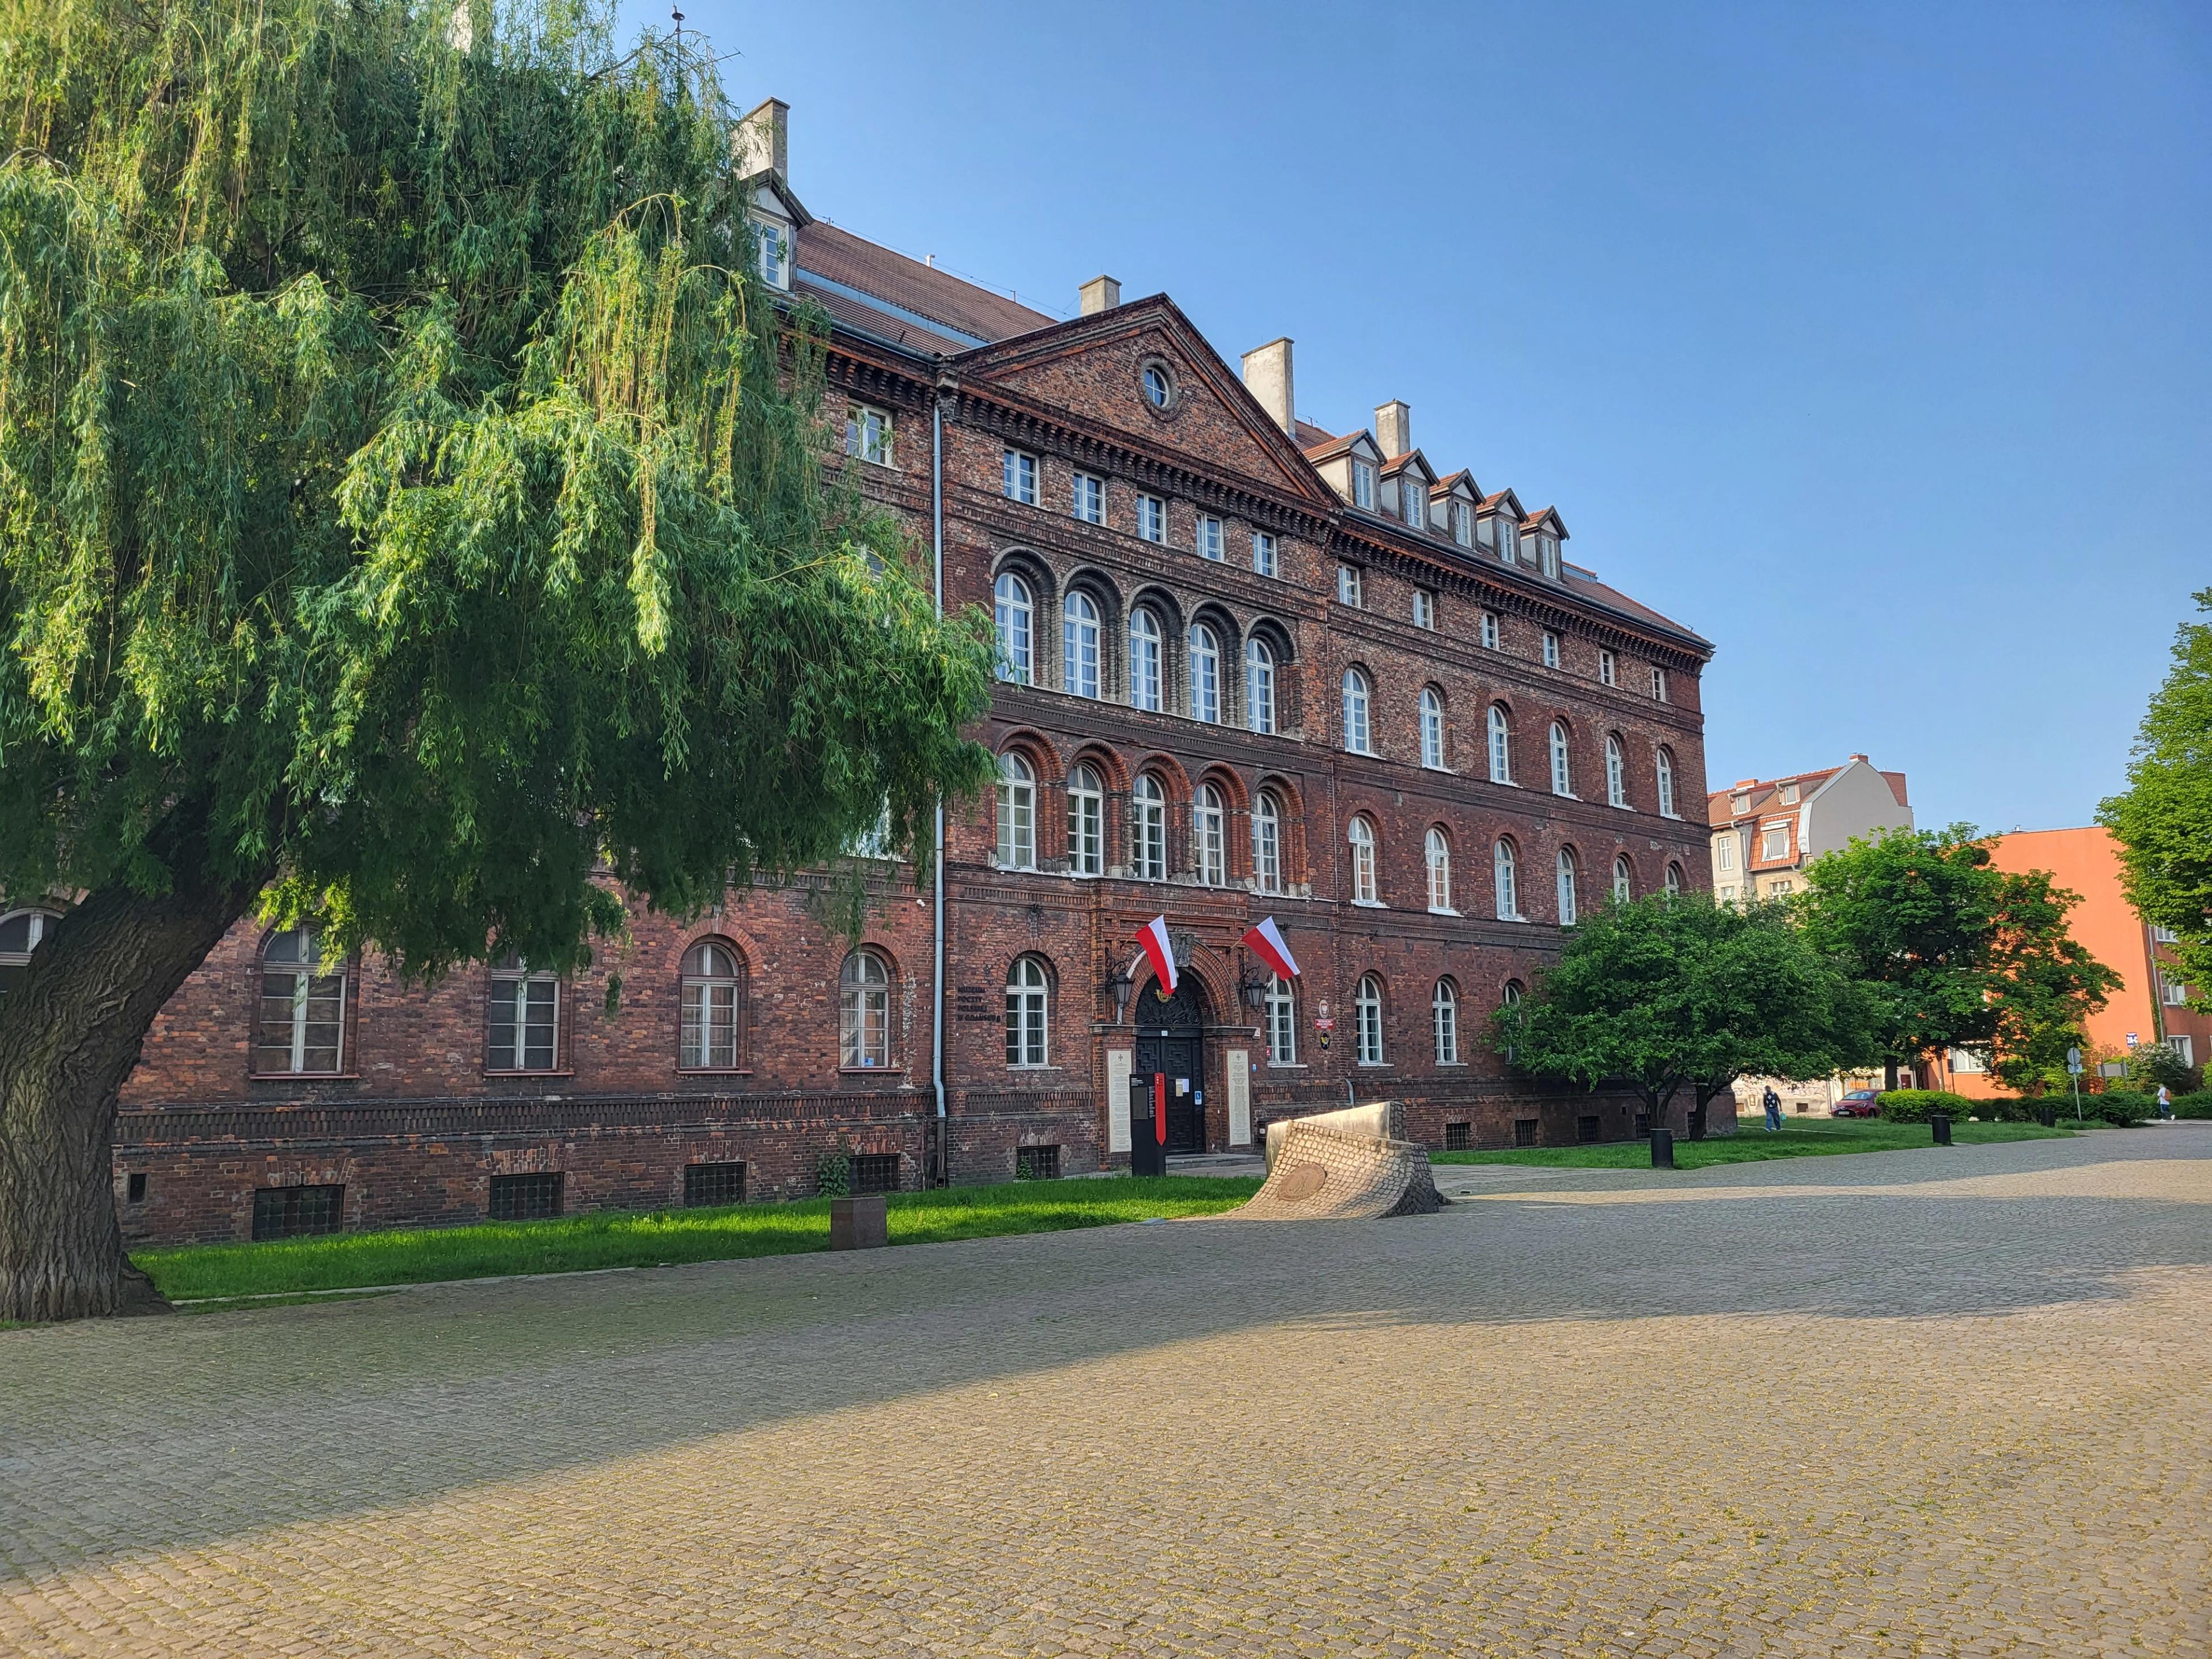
1549	520
1094	368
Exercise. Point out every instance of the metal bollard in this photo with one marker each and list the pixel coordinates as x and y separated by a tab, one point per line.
1940	1123
2047	1116
1662	1149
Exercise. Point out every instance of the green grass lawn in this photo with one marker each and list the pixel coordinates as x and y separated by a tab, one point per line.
1751	1143
652	1238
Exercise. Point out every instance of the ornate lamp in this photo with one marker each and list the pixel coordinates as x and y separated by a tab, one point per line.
1119	986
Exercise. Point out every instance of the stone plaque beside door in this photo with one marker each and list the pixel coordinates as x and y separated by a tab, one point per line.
1237	1076
1117	1100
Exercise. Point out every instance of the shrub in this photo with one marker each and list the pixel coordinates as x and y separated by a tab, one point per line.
2007	1109
833	1174
2121	1107
1914	1105
2195	1105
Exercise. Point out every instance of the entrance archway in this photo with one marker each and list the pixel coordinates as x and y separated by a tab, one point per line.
1171	1041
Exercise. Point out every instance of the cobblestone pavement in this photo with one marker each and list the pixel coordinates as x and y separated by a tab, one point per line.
1906	1403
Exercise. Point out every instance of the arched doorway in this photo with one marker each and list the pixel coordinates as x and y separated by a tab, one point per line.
1170	1041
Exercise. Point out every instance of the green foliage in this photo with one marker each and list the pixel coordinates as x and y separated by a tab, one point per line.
1955	952
1664	991
2195	1104
833	1174
1918	1105
2151	1064
2120	1106
407	494
2163	819
1752	1143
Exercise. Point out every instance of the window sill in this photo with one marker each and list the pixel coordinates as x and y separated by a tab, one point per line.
1442	911
714	1070
869	1070
1369	904
1372	1065
563	1072
303	1077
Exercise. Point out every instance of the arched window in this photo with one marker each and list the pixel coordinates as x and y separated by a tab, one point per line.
1567	912
302	1007
1205	674
1144	657
1616	773
1026	1009
1016	813
1367	1010
1361	836
1503	877
1510	998
1259	685
1079	637
1148	829
1501	745
21	931
525	1018
714	1006
1563	777
1432	729
1443	1007
1664	765
1015	610
1356	739
863	1011
1086	824
1267	843
1209	846
1282	1012
1674	880
1439	851
1623	880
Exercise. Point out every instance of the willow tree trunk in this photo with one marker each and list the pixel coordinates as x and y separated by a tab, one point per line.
69	1033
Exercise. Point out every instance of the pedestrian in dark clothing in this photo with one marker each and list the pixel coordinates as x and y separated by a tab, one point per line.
1773	1108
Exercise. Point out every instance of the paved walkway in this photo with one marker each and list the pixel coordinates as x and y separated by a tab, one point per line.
1906	1403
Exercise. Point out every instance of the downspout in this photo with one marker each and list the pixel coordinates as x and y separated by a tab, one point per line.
941	1172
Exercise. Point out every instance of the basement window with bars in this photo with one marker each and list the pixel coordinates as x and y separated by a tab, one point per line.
296	1211
875	1172
1524	1131
1459	1137
534	1197
1586	1128
1036	1163
707	1185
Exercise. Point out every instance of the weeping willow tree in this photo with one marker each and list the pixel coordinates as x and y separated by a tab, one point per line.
411	516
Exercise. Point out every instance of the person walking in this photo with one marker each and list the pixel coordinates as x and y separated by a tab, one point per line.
2165	1102
1773	1104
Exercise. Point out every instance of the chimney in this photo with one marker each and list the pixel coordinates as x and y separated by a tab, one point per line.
1858	757
1394	430
763	141
1267	377
1100	294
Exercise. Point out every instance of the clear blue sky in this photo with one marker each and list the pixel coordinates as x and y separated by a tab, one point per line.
1872	341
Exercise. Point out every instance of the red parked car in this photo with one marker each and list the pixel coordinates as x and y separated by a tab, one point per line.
1859	1103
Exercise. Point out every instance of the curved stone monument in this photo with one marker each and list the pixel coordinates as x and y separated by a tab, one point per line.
1351	1165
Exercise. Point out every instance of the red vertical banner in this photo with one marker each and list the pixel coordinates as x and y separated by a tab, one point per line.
1160	1107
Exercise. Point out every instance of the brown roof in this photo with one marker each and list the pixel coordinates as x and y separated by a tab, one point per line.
1720	803
868	319
1309	435
855	263
1463	474
1591	587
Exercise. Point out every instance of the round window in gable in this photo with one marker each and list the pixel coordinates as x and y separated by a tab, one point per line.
1159	385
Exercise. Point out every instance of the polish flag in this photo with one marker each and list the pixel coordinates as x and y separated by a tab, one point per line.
1266	942
1153	936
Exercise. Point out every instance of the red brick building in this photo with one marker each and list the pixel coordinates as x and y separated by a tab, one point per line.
1253	667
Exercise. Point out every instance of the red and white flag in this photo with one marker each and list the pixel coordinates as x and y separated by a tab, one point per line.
1153	936
1265	941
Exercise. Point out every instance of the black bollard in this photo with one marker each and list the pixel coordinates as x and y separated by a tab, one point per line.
1940	1123
1662	1149
2047	1116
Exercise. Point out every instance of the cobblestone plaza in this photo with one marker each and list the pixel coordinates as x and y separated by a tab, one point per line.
1923	1402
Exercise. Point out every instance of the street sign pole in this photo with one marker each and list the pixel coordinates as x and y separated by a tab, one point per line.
2074	1071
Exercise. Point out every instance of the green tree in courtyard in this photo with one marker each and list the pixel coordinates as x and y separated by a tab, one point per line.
1666	992
2164	818
1956	952
411	517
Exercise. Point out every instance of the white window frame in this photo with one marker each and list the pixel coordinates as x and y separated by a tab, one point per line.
1087	498
1608	669
1623	880
1017	848
1212	537
1569	888
1263	553
1019	474
1358	698
1463	524
308	971
1501	744
1412	501
1662	769
1152	519
1490	630
1436	854
1563	764
1086	822
772	240
1773	842
1616	773
1444	1018
1363	484
1362	860
1014	616
1267	843
1029	1015
1674	880
868	432
1281	1013
1425	608
864	1012
1351	586
512	983
1259	685
1724	852
1204	644
1432	729
1209	831
1658	685
713	1008
1148	655
1505	879
1367	1019
1551	649
1082	645
1148	829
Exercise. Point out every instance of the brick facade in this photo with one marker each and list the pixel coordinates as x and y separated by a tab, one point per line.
415	1127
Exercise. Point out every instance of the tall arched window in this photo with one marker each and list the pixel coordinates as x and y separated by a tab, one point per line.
1664	764
524	1018
1267	843
1674	880
1501	745
863	1011
713	1003
1027	1005
1209	848
1015	610
1563	776
21	931
1079	638
1616	773
1356	734
1510	998
1367	1010
1623	880
1148	829
1086	824
1567	912
1439	851
1282	1013
1432	729
302	1007
1361	837
1205	674
1259	685
1016	813
1504	877
1443	1007
1146	653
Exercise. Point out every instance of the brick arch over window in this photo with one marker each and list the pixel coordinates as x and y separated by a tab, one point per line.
1113	632
1237	830
713	985
1175	647
1289	710
1231	638
1039	751
1295	870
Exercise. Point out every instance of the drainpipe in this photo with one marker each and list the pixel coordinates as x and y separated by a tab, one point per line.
940	1174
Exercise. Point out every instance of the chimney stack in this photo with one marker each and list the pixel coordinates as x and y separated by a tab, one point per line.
1394	430
763	141
1858	757
1100	294
1267	377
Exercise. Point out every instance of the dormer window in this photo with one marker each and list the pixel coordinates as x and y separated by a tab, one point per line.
1413	499
1547	554
1463	524
1505	537
1741	803
773	237
1788	794
1363	484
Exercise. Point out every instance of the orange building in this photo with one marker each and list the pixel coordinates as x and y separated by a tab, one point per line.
2148	1006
